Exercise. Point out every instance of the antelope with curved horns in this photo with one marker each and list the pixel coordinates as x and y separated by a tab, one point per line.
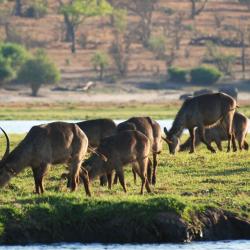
52	143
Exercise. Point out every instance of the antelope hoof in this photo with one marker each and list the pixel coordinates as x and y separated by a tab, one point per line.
213	151
153	180
191	151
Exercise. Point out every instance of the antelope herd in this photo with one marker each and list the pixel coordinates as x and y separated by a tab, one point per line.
208	118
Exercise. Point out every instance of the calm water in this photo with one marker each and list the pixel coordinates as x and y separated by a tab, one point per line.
19	127
219	245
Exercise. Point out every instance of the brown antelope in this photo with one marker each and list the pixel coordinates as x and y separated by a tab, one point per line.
152	130
202	111
121	149
95	130
217	134
53	143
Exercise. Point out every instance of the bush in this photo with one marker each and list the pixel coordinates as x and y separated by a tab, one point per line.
12	57
6	72
205	75
37	10
37	71
14	53
176	74
223	61
157	46
100	62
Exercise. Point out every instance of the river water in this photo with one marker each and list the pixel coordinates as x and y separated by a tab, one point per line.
20	127
210	245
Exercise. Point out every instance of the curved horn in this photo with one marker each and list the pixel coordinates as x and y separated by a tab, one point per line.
98	154
7	151
166	140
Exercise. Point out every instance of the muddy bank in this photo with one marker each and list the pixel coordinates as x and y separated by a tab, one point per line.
44	226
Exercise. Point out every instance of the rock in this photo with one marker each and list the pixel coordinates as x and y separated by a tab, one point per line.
171	228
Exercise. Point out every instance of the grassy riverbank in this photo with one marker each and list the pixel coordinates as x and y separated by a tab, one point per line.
186	183
68	111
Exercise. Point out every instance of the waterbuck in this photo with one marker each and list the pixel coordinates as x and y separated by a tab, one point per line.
217	134
52	143
202	111
95	130
152	130
128	147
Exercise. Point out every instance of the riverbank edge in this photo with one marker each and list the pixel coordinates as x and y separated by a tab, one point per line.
211	224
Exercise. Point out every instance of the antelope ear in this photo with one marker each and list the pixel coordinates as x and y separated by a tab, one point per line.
166	140
165	130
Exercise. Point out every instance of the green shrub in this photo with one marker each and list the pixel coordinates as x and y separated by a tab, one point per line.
205	75
100	61
15	54
6	72
158	46
37	71
38	9
12	57
176	74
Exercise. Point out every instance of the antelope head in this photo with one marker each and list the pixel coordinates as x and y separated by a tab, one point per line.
5	172
172	140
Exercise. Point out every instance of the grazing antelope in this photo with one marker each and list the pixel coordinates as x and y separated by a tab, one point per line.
152	130
217	134
119	150
95	130
52	143
202	112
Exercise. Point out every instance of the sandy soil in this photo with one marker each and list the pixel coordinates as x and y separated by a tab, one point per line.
46	96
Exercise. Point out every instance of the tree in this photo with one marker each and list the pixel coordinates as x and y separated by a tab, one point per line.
38	71
75	12
18	8
157	45
120	48
246	2
197	6
223	60
144	10
100	62
242	33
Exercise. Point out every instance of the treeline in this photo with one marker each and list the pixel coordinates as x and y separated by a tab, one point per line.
173	29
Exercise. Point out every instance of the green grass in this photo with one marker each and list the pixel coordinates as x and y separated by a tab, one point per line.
81	112
184	182
68	111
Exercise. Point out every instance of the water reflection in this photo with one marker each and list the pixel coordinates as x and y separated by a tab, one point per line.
216	245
